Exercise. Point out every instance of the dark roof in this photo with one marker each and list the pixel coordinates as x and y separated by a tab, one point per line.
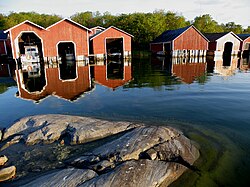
243	36
96	34
3	36
170	35
214	36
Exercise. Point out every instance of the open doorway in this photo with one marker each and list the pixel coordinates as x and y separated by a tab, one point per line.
228	48
30	54
67	60
115	70
167	48
114	48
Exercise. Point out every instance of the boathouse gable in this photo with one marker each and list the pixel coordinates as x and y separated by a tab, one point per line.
100	40
223	43
16	32
245	44
185	41
67	31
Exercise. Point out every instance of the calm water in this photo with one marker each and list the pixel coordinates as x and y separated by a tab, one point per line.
210	103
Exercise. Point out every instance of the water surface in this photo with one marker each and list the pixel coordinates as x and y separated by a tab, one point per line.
209	102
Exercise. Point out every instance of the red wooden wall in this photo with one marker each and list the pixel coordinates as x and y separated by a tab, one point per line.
190	40
24	27
66	31
99	41
61	31
156	47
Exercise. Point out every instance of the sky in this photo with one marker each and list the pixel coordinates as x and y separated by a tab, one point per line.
222	11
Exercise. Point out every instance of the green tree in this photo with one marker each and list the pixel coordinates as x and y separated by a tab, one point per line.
206	24
247	30
231	26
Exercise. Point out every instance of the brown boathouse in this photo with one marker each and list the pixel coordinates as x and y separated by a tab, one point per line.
183	42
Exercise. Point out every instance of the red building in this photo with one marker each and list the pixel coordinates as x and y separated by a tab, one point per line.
187	41
110	41
112	75
5	48
52	42
245	45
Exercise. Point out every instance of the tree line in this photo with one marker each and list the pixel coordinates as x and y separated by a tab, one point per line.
143	26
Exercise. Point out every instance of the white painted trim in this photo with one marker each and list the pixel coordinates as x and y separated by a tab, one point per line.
96	27
110	28
67	19
231	34
105	44
200	33
5	49
88	42
12	45
68	80
20	73
16	42
191	26
26	21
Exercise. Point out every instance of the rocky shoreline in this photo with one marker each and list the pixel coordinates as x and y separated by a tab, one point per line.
126	154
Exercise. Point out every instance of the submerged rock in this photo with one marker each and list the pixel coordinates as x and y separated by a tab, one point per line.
140	156
64	178
7	173
139	173
3	160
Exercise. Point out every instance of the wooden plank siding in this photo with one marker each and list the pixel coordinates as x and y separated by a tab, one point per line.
62	31
190	40
24	27
69	32
156	47
99	41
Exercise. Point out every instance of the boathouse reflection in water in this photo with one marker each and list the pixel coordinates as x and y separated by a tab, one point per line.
50	83
113	74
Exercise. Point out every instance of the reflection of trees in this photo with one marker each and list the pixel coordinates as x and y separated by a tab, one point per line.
156	73
147	74
203	79
4	86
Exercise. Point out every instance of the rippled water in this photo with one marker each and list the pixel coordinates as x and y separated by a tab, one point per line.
208	102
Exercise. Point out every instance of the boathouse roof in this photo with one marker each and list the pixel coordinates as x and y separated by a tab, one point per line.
111	27
171	35
3	36
243	36
215	36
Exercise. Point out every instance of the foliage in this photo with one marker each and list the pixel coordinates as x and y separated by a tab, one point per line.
247	30
206	24
231	26
143	26
13	19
